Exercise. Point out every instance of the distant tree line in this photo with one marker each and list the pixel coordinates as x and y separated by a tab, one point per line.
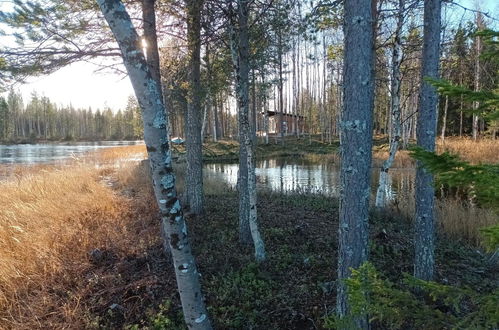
42	119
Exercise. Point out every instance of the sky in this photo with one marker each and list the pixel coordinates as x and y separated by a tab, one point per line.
79	85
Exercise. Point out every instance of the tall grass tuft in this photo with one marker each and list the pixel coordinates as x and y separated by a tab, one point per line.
50	222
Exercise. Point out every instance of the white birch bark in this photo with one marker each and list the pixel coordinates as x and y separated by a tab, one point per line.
444	119
476	104
247	179
381	193
265	109
205	120
147	92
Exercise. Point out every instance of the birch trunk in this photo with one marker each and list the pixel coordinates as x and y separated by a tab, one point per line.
147	92
253	107
444	119
476	104
281	92
293	94
424	262
265	109
356	144
247	179
194	140
212	105
215	120
206	110
381	197
299	105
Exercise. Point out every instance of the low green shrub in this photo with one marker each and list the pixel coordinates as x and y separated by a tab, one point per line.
416	304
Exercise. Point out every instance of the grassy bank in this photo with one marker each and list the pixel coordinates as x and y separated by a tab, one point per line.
80	248
228	150
481	151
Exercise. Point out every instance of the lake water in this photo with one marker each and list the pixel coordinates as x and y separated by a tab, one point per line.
298	174
52	152
279	174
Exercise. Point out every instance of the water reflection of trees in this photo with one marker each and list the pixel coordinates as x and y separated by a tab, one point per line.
299	175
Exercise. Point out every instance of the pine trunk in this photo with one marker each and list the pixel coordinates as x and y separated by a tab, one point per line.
356	144
426	131
194	140
151	38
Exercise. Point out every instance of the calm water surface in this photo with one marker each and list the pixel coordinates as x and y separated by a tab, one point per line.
297	174
52	152
279	174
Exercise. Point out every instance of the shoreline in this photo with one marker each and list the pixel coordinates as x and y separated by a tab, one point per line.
62	142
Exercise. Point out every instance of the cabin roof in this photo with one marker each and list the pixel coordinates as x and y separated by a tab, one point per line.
275	113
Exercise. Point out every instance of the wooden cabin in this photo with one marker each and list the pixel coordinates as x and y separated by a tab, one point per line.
291	123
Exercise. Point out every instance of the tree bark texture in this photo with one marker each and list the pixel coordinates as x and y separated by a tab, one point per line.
476	104
151	38
247	178
194	140
148	95
424	262
281	87
395	137
356	143
444	118
211	101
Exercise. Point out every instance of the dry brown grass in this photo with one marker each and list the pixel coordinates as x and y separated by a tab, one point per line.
455	218
50	219
461	221
47	223
480	151
111	155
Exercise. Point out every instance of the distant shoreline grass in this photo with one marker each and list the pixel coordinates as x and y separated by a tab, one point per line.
228	150
69	140
483	150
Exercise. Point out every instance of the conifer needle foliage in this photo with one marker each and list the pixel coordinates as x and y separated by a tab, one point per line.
480	182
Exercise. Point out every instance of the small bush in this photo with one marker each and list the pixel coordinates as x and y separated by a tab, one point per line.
417	304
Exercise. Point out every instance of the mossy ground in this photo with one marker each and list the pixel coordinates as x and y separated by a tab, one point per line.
295	287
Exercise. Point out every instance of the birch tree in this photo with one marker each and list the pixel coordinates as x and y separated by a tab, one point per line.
239	43
160	159
394	107
424	262
478	49
356	143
